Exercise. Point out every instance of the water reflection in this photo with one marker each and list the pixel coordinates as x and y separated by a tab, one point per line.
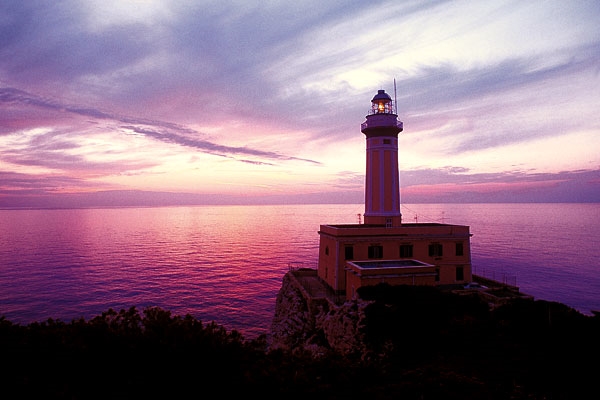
225	263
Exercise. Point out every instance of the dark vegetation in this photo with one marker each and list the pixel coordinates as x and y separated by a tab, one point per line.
426	344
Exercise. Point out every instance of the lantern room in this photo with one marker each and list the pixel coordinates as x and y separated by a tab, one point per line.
382	103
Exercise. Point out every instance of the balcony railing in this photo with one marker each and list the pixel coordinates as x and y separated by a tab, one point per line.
366	124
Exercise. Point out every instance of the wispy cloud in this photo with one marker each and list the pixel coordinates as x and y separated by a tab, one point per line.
159	130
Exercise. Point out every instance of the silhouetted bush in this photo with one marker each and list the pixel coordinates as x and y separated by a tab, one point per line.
524	348
431	344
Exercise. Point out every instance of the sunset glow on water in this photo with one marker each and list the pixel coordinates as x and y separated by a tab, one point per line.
226	263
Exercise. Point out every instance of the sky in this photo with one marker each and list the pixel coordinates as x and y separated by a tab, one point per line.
141	102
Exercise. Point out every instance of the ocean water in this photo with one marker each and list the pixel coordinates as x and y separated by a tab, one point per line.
226	263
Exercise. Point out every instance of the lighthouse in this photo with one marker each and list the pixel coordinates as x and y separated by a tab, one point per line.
383	249
382	180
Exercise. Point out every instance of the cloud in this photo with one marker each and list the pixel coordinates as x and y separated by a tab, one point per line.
457	185
167	132
19	184
270	95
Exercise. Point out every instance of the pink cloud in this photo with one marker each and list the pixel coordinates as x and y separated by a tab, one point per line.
485	187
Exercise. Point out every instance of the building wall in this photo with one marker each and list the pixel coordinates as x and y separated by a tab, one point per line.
332	252
418	276
329	263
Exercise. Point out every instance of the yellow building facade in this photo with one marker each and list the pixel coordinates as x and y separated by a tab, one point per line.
411	254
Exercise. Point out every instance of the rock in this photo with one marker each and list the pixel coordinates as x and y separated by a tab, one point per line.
318	326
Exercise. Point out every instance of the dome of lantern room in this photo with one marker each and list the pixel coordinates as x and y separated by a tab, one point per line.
381	95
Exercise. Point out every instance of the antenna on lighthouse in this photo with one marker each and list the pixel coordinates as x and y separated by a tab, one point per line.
395	103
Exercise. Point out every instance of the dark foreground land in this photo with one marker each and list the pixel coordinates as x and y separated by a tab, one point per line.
424	344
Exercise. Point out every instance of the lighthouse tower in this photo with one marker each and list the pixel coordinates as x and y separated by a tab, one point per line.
382	186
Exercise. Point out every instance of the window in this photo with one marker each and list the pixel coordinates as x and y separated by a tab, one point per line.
388	222
406	251
437	274
460	274
326	250
376	251
348	252
459	249
387	141
435	250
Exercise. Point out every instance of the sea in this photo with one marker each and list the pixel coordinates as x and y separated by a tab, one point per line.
225	264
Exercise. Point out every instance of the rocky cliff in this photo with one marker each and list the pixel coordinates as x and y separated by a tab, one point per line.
304	322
